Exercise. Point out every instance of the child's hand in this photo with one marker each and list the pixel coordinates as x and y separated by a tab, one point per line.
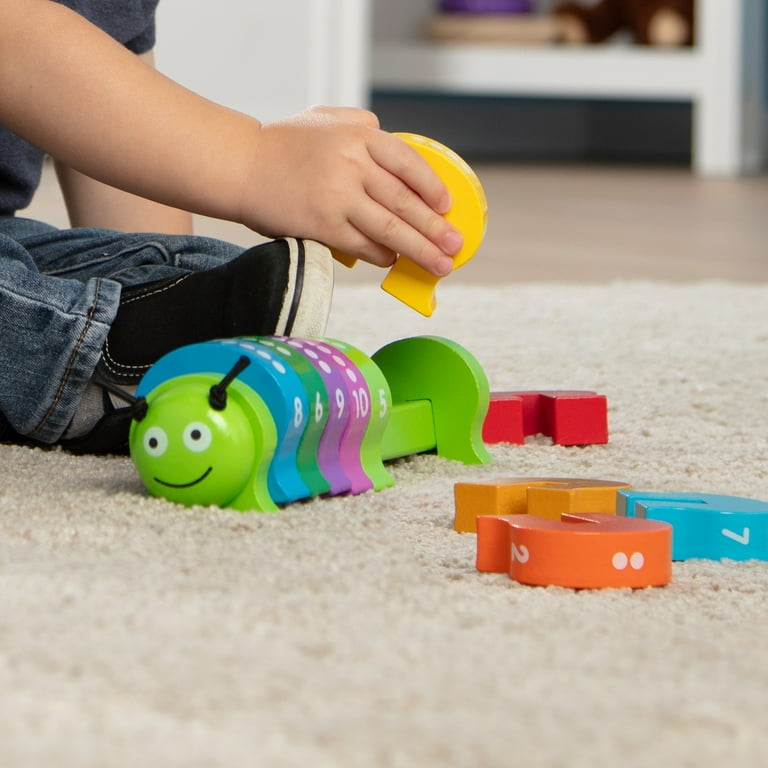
333	176
326	174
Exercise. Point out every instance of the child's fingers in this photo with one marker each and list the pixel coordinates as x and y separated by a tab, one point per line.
404	211
404	162
382	226
354	243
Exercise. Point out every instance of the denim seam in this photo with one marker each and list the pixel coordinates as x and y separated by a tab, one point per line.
71	361
107	256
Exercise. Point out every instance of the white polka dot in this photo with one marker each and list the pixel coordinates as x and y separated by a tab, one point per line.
620	561
311	353
263	354
637	561
339	361
325	367
351	375
285	352
295	344
278	366
325	349
267	342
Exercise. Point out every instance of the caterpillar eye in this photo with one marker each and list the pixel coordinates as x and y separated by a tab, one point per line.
197	436
155	441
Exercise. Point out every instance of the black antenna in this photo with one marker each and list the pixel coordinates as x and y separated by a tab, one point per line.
217	397
138	404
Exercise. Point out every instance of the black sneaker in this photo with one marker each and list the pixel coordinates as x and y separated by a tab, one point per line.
283	288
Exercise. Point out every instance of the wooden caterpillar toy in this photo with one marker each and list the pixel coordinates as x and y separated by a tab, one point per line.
253	423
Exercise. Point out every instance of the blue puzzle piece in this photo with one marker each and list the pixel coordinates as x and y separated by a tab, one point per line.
276	382
705	525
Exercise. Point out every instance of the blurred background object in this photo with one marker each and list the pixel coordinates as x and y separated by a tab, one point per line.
701	105
648	22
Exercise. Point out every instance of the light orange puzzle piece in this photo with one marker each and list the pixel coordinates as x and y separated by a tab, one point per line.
549	497
407	281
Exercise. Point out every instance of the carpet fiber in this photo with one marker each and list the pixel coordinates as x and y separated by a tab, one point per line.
356	631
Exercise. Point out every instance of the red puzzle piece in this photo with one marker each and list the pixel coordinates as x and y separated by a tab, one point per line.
568	417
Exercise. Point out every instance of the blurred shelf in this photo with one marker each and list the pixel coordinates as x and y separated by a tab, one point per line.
610	71
723	76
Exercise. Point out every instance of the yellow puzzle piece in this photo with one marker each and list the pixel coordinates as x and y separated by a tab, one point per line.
407	281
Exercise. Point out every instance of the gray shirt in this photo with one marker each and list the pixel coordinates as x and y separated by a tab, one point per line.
130	22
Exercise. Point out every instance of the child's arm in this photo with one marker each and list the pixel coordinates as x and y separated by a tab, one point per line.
91	203
327	175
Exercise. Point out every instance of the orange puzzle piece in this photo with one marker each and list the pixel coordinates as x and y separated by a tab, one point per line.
549	497
580	551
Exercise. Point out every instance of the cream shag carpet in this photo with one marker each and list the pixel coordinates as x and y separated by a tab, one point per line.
356	631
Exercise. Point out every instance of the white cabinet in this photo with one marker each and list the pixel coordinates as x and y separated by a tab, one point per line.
267	59
723	76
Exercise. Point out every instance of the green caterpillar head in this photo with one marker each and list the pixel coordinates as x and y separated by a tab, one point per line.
194	444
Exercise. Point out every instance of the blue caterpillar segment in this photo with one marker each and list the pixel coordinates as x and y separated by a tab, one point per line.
255	423
317	415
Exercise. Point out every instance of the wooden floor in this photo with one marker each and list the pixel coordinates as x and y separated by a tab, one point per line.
585	224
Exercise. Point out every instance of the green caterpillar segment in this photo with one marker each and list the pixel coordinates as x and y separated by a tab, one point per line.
450	378
381	413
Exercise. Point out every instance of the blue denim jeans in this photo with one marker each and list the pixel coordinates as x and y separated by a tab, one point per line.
59	293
